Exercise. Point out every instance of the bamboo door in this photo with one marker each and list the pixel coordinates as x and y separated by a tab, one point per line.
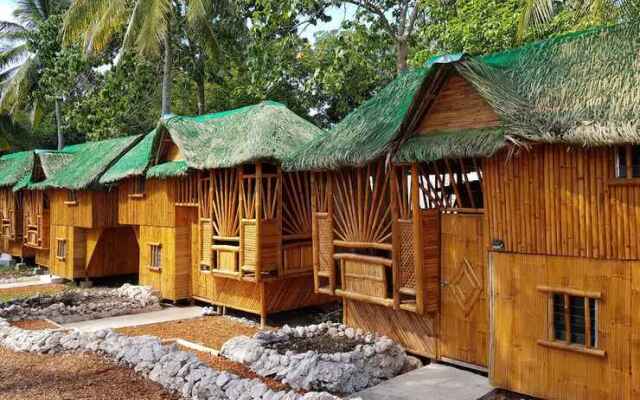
464	320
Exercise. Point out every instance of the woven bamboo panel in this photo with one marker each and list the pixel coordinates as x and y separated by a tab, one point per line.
325	243
407	271
271	245
227	260
364	278
206	233
416	333
249	244
297	258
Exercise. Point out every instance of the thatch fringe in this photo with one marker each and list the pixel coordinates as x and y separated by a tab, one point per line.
457	144
169	169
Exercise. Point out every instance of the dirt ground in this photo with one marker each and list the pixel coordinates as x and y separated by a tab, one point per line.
25	376
28	291
210	331
34	325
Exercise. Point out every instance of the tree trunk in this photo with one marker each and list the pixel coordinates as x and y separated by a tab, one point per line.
402	53
166	74
59	125
201	96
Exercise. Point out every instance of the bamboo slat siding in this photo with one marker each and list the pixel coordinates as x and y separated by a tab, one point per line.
457	106
556	200
93	209
521	319
154	208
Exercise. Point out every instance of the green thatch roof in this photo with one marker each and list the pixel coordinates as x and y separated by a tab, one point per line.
87	162
459	144
15	166
582	88
168	170
49	161
265	131
135	162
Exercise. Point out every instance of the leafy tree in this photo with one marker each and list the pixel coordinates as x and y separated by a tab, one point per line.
148	25
397	18
21	62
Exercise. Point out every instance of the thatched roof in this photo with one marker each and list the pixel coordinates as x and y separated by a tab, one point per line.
579	89
15	166
168	169
84	163
266	131
49	161
135	162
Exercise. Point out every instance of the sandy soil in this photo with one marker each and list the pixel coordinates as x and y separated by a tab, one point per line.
210	331
26	376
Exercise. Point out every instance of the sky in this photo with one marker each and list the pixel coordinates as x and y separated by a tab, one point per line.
338	14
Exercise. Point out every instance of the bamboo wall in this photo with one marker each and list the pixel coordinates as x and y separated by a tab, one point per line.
156	207
173	279
36	220
562	201
521	318
92	209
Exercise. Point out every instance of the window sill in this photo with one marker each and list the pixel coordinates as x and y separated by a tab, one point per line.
71	203
136	195
572	347
155	269
60	258
624	181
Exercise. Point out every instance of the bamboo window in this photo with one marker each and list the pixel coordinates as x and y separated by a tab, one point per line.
61	249
72	198
187	191
225	220
627	160
155	256
137	187
296	223
322	230
34	205
204	194
451	183
573	320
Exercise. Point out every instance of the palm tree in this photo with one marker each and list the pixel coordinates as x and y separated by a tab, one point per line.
537	13
147	26
18	65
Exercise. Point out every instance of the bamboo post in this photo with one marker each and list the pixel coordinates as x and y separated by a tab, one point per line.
258	215
279	206
314	233
417	238
241	206
395	237
332	274
263	305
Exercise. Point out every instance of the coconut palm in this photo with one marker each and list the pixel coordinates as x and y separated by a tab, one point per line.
147	26
536	13
18	65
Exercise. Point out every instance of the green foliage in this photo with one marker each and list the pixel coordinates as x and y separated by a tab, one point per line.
125	101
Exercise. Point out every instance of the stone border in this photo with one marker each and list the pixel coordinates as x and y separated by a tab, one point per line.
88	305
177	371
376	360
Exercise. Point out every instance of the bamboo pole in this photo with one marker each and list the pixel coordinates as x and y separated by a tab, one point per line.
417	239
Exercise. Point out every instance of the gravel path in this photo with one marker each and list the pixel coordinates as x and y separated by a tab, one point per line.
26	376
210	331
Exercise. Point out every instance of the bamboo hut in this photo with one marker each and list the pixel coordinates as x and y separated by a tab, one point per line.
157	197
524	167
13	168
249	223
85	239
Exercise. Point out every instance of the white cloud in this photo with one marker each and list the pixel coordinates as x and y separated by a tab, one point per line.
6	10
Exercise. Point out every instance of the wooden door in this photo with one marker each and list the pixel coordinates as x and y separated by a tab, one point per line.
464	320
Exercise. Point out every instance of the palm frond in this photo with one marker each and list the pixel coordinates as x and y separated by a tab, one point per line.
154	26
13	55
200	20
16	90
534	14
31	12
80	18
9	26
111	20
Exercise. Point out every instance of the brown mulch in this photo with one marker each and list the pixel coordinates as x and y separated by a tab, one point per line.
34	325
26	376
223	364
27	291
210	331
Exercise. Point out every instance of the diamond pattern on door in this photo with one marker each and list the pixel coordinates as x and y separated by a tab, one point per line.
466	286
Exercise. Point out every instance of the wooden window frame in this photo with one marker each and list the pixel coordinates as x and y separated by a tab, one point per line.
137	187
72	198
566	344
61	255
155	256
629	178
